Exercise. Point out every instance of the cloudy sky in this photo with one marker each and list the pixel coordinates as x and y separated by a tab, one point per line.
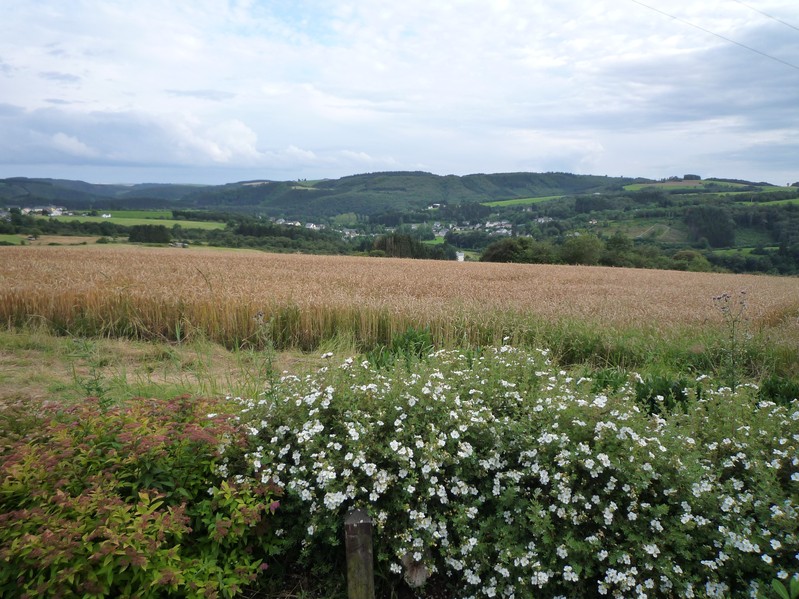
214	91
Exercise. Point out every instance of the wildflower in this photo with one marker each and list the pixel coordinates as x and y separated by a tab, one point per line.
570	575
652	550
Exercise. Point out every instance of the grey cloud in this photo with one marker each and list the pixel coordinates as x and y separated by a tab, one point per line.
59	101
27	137
776	156
10	111
725	81
56	76
202	94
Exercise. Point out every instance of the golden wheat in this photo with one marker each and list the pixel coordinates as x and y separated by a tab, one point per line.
170	293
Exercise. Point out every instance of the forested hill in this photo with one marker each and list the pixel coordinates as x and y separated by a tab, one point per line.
365	194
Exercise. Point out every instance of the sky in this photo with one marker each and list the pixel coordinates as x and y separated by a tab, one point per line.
217	91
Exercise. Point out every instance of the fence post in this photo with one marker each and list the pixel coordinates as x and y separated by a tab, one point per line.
360	560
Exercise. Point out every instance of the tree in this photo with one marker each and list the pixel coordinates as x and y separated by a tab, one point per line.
149	234
520	250
619	251
583	249
714	223
691	260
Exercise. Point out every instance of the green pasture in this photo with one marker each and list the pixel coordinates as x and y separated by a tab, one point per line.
667	232
129	222
741	250
667	185
640	186
520	201
718	186
158	214
15	239
794	201
436	241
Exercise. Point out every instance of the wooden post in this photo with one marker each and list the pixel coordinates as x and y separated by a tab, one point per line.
360	560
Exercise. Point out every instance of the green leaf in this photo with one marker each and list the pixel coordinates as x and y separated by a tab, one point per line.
780	589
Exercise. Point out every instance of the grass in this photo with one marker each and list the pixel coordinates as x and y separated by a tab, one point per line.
684	185
520	201
15	239
665	185
727	187
779	202
742	250
37	365
436	241
129	222
149	214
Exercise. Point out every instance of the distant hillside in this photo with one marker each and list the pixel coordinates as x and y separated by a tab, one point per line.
368	195
365	194
80	194
674	223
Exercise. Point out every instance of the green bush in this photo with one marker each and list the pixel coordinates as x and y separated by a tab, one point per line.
411	345
127	501
502	475
780	390
660	394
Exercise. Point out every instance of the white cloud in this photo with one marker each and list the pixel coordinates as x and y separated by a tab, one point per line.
456	87
71	145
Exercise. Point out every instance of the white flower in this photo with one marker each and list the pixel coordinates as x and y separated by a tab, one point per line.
652	550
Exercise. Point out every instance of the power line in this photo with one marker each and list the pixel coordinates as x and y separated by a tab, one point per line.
765	14
718	35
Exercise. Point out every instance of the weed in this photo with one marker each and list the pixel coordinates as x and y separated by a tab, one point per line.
611	379
733	312
412	345
660	394
94	383
780	390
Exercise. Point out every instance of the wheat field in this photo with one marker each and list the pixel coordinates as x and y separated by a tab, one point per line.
237	297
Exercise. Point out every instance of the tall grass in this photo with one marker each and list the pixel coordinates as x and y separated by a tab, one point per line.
610	317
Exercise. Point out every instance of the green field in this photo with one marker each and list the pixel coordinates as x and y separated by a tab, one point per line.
129	222
15	239
722	186
436	241
158	214
520	201
780	202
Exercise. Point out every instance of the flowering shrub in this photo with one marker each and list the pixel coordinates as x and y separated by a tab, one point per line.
128	502
496	474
